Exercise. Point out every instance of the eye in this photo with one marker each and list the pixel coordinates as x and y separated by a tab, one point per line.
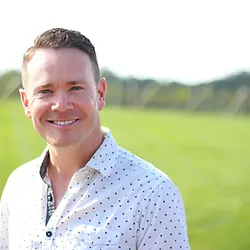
45	91
76	88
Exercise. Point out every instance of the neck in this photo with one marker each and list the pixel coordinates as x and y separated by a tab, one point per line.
64	162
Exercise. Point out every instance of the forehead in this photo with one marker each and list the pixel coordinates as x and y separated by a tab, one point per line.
59	65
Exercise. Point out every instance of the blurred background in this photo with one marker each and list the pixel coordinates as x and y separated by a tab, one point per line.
178	75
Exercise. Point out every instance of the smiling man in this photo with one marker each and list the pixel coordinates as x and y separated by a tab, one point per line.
84	191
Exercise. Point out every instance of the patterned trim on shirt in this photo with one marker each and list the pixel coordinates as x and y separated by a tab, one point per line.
50	195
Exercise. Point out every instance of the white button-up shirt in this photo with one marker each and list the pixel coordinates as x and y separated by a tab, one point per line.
117	201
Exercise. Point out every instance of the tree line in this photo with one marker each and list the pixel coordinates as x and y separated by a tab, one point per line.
230	93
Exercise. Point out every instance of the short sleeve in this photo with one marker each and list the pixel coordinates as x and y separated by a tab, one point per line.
163	220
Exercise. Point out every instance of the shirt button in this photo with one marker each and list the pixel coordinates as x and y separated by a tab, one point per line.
48	234
50	198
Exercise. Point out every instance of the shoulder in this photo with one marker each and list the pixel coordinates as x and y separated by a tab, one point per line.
23	174
20	182
142	166
30	168
26	168
161	200
150	179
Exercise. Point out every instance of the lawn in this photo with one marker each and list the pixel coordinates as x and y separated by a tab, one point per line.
207	156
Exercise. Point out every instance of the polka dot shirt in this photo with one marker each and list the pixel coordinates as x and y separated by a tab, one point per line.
117	201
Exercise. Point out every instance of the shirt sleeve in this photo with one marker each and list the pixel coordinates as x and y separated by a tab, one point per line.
4	214
163	221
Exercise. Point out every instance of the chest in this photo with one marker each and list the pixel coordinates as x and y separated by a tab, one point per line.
89	216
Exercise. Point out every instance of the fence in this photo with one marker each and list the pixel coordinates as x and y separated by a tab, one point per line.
183	98
171	96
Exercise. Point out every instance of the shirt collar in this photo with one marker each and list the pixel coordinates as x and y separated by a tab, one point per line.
104	159
44	162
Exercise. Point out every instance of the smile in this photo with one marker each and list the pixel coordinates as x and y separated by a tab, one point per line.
63	123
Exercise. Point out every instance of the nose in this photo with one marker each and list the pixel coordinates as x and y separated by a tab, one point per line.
61	102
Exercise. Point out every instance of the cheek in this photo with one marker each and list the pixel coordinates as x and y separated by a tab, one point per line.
38	109
87	100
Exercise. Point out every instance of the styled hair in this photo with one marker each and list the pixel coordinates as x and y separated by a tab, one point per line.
57	38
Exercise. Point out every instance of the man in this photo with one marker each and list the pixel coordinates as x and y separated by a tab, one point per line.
84	191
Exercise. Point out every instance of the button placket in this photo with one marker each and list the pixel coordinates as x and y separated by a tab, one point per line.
49	235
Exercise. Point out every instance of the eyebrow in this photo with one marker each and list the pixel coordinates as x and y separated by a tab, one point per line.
80	81
46	85
43	86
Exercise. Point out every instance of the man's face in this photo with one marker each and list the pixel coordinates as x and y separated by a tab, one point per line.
61	97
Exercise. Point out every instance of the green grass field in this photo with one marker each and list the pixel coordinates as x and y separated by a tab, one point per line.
207	156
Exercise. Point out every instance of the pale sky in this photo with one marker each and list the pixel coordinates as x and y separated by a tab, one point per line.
188	40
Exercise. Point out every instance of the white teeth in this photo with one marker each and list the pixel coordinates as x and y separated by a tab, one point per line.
63	122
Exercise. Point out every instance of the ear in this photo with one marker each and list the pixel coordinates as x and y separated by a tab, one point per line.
102	89
25	102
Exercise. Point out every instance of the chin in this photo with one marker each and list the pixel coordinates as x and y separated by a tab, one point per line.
64	143
59	143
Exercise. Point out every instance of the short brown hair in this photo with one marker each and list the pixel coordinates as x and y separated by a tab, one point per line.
57	38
